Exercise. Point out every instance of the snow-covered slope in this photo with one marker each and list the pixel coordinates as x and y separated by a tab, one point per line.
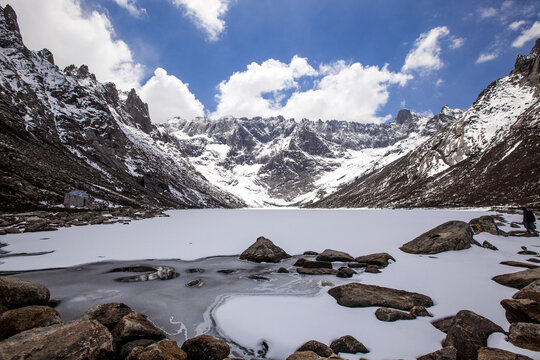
62	130
280	162
490	156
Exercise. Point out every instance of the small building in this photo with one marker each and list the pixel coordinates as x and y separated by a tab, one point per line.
78	198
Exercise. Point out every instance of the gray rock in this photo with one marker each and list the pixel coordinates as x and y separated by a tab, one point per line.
334	255
521	310
317	347
108	314
519	279
264	250
17	320
362	295
205	347
525	335
452	235
389	315
16	293
380	259
447	353
348	344
498	354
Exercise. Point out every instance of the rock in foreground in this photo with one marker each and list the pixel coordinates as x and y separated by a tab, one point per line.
498	354
205	347
447	353
518	279
334	255
452	235
264	250
348	344
525	335
15	293
17	320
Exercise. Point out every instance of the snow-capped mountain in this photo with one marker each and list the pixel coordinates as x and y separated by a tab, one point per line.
282	162
62	130
490	156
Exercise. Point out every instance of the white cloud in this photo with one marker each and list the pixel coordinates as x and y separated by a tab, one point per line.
439	82
207	15
167	96
516	25
526	35
485	57
426	52
77	38
342	91
487	12
456	43
131	7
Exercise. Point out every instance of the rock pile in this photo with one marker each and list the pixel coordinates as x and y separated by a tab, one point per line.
315	350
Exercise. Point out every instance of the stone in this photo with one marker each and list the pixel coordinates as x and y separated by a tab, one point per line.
76	340
420	311
363	295
534	260
357	265
444	324
521	310
197	283
12	230
300	262
108	314
380	259
134	326
373	269
531	291
486	244
282	270
264	250
486	353
468	333
389	315
126	349
345	272
17	320
310	253
304	355
519	279
519	264
525	335
452	235
317	264
16	293
317	347
205	347
446	353
487	223
164	350
258	277
348	344
316	271
334	255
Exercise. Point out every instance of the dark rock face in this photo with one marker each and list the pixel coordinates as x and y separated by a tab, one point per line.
135	326
389	315
452	235
362	295
205	347
165	350
79	340
334	255
447	353
525	335
17	320
317	347
16	293
521	310
126	349
519	279
108	314
498	354
348	344
468	333
264	250
379	259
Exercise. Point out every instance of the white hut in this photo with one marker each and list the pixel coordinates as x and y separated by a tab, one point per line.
78	198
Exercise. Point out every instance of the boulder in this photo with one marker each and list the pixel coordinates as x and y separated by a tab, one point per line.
76	340
525	335
345	272
518	279
164	350
108	314
468	333
498	354
373	269
283	270
304	355
348	344
363	295
379	259
317	347
534	260
519	264
205	347
486	223
486	244
420	311
444	324
521	310
16	293
310	253
17	320
317	264
389	315
316	271
126	349
531	291
134	326
452	235
264	250
334	255
357	265
300	262
447	353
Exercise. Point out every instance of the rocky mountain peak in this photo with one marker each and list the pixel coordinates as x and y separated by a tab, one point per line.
404	116
11	20
138	111
47	55
528	65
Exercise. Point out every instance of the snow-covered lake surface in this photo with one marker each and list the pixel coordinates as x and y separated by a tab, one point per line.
288	309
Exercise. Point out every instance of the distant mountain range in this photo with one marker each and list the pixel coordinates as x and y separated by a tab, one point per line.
60	130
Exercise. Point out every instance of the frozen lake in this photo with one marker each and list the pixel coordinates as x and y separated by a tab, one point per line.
287	309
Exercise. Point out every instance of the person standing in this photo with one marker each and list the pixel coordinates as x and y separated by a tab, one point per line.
529	221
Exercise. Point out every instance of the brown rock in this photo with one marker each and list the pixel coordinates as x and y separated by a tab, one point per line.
519	279
264	250
165	350
348	344
420	311
447	353
345	272
76	340
525	335
444	324
519	264
531	291
205	347
304	355
126	349
521	310
380	259
282	270
334	255
498	354
12	230
310	253
16	293
300	262
135	326
108	314
362	295
534	260
17	320
486	244
452	235
317	264
487	223
316	271
389	315
357	265
317	347
468	333
373	269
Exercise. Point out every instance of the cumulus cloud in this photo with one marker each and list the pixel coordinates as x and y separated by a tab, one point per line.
516	25
78	38
342	91
485	57
426	52
526	35
131	7
487	12
167	97
207	15
456	43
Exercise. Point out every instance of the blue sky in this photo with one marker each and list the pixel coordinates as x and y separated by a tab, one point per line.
346	59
